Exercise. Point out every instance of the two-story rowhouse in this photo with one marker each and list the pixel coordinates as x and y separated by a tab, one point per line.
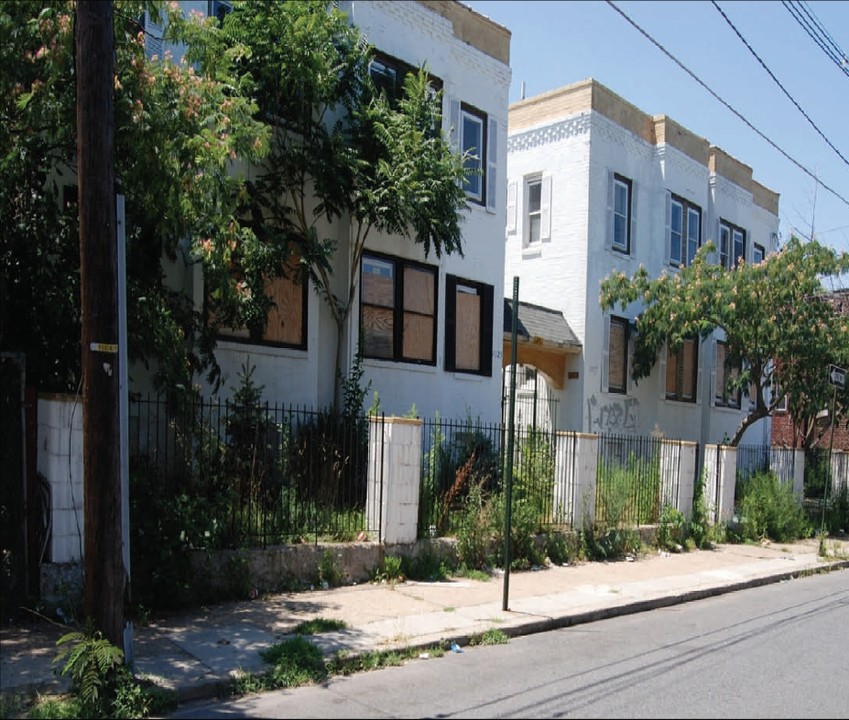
597	186
429	329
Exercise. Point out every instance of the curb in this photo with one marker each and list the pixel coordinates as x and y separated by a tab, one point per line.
221	686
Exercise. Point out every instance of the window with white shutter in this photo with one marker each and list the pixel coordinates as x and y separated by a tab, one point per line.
512	208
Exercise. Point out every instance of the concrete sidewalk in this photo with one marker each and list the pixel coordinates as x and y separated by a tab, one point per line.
198	652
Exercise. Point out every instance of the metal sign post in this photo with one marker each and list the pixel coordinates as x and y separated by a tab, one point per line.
505	604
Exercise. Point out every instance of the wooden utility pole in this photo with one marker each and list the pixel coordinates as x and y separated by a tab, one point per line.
106	583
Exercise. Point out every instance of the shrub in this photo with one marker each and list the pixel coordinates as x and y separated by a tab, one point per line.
609	543
700	532
672	529
769	509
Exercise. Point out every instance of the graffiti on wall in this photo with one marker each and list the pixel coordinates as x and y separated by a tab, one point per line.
612	415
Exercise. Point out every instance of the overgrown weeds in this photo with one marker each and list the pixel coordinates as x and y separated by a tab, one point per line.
769	509
102	686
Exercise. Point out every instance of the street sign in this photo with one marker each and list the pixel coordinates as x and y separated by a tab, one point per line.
837	376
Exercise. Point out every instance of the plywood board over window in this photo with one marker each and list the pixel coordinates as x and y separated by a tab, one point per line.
285	319
469	319
419	311
378	296
618	358
398	309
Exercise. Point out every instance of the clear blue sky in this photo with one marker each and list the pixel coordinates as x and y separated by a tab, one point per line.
555	43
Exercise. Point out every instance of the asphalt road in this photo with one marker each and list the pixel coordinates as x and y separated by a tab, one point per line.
777	651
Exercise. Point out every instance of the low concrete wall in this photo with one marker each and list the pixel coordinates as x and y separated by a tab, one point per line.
292	567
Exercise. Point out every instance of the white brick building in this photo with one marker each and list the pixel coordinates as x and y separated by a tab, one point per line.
595	185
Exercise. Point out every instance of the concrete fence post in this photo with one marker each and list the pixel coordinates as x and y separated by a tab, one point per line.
394	478
60	460
728	482
678	472
575	463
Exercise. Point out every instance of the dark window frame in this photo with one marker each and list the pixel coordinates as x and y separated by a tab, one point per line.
678	394
622	387
255	336
399	265
721	395
487	295
400	70
481	153
628	183
219	9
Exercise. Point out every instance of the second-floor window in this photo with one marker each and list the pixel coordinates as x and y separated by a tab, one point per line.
732	245
621	209
472	142
388	75
682	371
476	134
685	231
398	310
534	210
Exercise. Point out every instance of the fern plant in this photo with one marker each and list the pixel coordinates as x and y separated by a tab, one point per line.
95	667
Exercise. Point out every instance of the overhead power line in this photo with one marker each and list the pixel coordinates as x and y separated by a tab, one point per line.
775	79
726	103
813	27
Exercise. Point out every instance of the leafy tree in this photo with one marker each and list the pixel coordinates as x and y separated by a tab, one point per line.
280	92
781	331
340	149
177	133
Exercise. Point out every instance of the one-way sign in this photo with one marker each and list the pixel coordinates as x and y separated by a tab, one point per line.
837	376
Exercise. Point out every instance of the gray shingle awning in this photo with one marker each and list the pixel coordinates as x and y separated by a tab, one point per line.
539	325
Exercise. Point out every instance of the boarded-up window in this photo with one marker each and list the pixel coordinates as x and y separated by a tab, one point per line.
419	307
469	321
617	366
468	326
681	372
286	321
398	310
378	313
724	374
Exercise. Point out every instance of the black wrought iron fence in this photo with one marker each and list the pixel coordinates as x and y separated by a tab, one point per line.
249	474
751	459
464	466
636	476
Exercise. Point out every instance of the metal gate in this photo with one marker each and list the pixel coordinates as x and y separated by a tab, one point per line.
535	409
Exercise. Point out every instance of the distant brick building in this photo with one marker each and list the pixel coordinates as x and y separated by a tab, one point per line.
782	422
